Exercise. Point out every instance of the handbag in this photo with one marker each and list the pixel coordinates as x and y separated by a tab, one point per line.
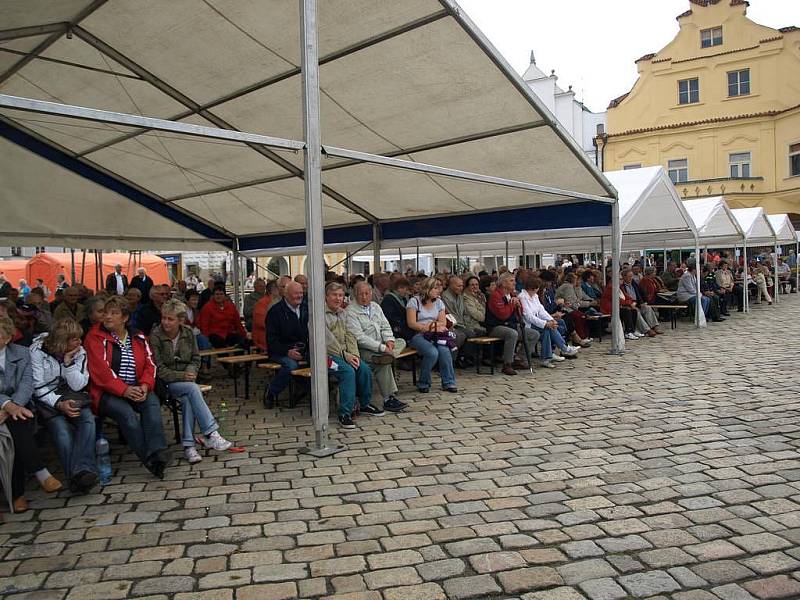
81	400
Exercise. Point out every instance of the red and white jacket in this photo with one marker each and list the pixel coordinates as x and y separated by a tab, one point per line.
104	354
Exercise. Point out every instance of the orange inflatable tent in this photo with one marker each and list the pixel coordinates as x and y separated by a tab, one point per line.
13	271
48	265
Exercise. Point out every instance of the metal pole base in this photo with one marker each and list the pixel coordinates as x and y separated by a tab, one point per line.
616	352
322	452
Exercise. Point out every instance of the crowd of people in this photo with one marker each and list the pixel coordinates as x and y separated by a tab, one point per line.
117	353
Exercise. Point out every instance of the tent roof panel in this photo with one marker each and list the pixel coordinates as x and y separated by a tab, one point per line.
29	13
782	225
754	224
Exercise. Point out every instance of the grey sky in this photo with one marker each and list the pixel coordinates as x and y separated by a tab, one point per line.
592	44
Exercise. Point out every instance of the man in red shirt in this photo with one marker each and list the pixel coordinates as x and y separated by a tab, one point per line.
220	322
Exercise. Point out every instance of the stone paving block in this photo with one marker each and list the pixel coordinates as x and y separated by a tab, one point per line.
279	572
760	542
578	571
496	561
477	586
773	562
666	557
338	566
722	571
272	591
648	583
777	586
425	591
603	589
474	546
530	578
732	591
560	593
385	578
163	585
110	590
441	569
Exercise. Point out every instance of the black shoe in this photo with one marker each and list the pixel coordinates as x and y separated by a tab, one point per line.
423	390
394	405
156	467
346	422
270	401
718	320
372	411
452	389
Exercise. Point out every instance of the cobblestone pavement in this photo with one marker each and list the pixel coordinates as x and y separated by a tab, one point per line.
669	472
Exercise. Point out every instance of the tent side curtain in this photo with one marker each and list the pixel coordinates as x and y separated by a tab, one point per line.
536	218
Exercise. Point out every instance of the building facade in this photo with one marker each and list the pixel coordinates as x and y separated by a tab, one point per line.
581	123
719	108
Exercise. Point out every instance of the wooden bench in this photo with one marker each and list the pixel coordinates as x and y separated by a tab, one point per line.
599	321
673	310
482	342
174	407
245	361
410	354
212	352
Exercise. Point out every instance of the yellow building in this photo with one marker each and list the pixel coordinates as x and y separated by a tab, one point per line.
719	108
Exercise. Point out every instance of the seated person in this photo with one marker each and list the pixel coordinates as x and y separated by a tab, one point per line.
16	392
259	318
259	291
474	305
394	309
670	277
687	289
122	384
537	318
36	300
177	361
150	314
60	376
730	294
628	314
134	298
70	307
502	312
575	303
95	307
762	279
455	301
710	289
355	377
287	338
588	285
647	321
377	344
567	322
425	316
220	322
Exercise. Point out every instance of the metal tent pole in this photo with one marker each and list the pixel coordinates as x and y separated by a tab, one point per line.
237	284
617	335
376	249
417	269
72	263
745	272
312	162
400	259
524	256
775	285
507	265
458	261
603	257
697	304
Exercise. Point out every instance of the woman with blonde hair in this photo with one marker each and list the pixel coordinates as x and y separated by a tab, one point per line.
426	317
177	361
60	375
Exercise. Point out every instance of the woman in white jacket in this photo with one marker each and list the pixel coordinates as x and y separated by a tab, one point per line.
536	317
58	362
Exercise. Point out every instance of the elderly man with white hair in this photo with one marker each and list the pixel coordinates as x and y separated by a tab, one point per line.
376	343
117	282
142	282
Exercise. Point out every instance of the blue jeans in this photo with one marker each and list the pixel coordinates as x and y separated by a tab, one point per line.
144	433
351	382
74	441
204	344
549	338
704	304
431	353
284	376
193	407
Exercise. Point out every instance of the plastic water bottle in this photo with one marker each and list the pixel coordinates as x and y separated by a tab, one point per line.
103	460
222	421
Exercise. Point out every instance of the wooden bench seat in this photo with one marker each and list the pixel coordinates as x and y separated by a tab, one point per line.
673	309
482	342
410	354
242	360
211	352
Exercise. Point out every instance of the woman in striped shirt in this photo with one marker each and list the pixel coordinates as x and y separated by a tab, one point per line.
122	382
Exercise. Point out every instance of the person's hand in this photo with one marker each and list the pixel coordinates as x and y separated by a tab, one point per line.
70	356
294	355
515	301
189	375
559	301
3	416
633	304
434	326
551	325
68	407
558	314
145	389
389	347
353	360
133	393
17	412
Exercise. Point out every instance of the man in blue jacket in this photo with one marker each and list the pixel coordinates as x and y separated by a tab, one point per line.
287	338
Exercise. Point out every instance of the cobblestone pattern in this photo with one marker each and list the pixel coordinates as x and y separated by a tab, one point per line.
663	473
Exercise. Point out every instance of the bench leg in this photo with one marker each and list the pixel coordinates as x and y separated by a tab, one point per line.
479	361
491	356
414	370
247	381
173	406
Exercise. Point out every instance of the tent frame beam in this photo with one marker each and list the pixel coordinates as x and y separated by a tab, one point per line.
17	33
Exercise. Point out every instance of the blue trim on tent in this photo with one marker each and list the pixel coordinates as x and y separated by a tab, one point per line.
539	218
62	159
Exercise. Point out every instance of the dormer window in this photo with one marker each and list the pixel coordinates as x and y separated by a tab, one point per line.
711	37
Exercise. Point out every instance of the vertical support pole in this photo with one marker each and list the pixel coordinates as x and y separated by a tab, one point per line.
776	286
417	269
796	268
99	261
617	335
72	265
698	304
376	249
458	261
603	256
400	259
237	280
507	265
312	162
524	256
745	273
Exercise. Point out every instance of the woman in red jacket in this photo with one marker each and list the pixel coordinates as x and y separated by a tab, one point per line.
627	310
123	375
220	322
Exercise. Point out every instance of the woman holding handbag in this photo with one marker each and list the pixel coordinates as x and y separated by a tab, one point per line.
426	316
60	374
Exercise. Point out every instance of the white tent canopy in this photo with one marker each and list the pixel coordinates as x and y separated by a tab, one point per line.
755	225
783	228
714	221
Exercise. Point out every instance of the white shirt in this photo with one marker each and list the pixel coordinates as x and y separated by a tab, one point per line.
533	313
120	285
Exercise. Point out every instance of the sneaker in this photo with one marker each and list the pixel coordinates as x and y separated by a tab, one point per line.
394	405
557	358
639	335
346	422
587	343
191	454
631	336
546	364
570	351
372	411
215	441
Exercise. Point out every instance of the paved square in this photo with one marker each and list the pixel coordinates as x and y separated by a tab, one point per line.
669	472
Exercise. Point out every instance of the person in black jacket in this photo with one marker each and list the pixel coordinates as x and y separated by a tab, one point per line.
117	282
142	282
287	338
150	314
393	306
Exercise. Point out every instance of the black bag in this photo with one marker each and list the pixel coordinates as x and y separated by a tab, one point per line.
81	400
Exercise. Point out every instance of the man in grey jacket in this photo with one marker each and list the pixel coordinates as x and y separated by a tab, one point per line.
376	343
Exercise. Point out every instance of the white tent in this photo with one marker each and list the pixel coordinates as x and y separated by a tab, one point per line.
714	220
782	226
385	115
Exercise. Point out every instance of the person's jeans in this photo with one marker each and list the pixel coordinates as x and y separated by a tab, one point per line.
705	303
509	337
74	440
194	408
549	338
431	354
284	375
352	382
145	432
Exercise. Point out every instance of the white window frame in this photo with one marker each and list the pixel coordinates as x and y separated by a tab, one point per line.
738	84
674	171
632	166
688	83
740	165
794	153
708	39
